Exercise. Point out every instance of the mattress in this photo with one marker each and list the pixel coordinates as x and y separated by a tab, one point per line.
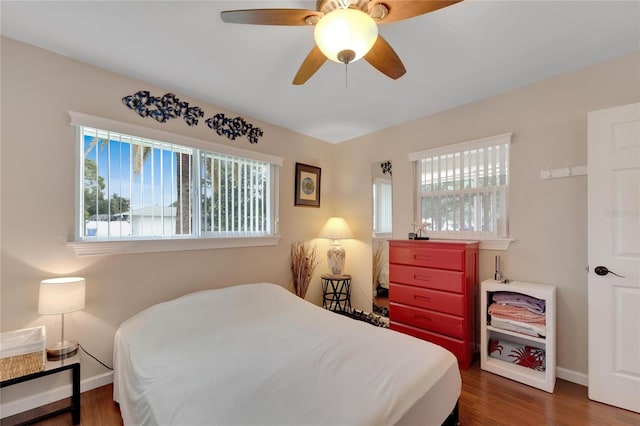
257	354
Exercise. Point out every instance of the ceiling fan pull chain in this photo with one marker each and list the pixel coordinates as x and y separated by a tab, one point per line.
346	76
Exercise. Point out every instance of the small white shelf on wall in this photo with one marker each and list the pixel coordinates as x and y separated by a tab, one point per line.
544	380
562	173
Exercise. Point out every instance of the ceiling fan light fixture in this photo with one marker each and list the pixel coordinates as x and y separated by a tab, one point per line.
345	30
346	56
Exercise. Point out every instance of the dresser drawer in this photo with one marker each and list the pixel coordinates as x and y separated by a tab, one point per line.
456	346
449	258
438	322
434	300
427	278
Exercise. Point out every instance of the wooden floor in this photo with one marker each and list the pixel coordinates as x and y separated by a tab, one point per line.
381	301
486	399
489	399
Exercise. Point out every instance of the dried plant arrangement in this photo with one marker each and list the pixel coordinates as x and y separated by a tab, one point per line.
378	249
303	262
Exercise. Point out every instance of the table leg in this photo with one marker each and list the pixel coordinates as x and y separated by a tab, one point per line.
75	398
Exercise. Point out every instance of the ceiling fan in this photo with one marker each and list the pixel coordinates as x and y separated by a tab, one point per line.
345	30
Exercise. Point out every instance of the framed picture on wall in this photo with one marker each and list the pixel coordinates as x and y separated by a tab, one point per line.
307	185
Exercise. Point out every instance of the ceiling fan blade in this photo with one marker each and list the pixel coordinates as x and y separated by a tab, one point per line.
404	9
311	64
269	16
383	58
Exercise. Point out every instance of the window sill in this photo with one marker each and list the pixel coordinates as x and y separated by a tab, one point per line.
500	244
496	244
383	235
106	248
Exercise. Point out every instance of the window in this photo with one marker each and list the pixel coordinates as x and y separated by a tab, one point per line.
143	188
462	189
235	195
382	205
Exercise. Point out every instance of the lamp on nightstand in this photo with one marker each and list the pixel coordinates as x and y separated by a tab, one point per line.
59	296
336	229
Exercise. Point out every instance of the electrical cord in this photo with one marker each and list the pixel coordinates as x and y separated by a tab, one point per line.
103	364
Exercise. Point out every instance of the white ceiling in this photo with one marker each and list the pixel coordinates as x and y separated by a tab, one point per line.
456	55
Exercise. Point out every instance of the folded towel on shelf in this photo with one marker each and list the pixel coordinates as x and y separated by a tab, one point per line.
524	355
531	303
530	329
516	313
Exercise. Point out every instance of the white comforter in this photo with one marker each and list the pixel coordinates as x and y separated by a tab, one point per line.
257	354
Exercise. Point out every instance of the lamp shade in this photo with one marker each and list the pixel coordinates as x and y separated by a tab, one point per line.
345	30
61	295
336	228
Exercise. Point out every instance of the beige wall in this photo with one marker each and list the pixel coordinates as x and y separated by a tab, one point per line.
38	90
548	218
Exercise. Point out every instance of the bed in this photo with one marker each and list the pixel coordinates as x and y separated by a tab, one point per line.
257	354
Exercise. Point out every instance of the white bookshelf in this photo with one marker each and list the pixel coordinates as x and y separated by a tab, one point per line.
544	380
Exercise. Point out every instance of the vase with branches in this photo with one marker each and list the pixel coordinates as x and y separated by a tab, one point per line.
303	262
378	254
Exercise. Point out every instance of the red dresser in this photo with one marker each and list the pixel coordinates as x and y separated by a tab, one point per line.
433	293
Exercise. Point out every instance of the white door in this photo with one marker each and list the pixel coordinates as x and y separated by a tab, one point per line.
614	246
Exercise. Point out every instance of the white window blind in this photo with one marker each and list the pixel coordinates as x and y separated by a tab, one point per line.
235	192
462	189
131	186
382	205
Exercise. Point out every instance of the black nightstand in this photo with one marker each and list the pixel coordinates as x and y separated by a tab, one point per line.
336	292
54	367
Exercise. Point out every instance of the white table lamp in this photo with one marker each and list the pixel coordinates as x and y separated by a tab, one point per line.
336	229
59	296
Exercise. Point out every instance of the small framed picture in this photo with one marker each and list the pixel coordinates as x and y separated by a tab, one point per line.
307	185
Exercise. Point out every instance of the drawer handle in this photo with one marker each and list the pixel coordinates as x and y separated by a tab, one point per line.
425	298
421	277
422	318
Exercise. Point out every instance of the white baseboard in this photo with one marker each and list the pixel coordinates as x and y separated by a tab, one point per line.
44	398
572	376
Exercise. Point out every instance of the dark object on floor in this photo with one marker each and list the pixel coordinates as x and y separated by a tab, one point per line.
380	310
364	316
454	417
382	292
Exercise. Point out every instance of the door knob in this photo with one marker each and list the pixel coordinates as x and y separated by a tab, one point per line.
603	270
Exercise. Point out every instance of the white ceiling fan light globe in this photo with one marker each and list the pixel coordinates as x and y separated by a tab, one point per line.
345	29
